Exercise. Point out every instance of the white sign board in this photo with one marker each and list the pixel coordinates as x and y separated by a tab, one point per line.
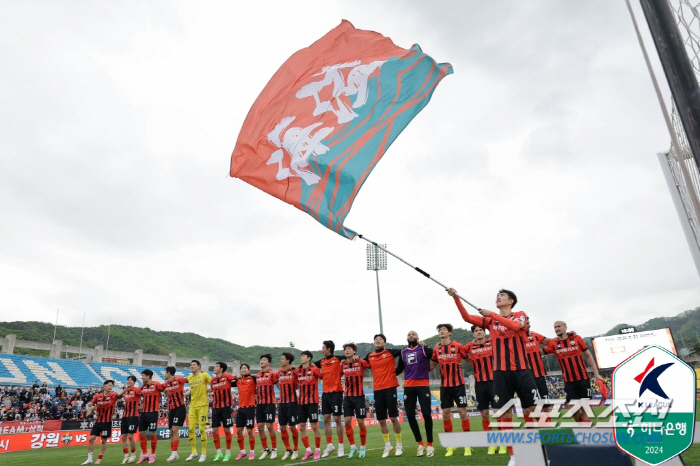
612	350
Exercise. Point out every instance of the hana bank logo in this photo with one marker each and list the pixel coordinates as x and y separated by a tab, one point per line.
649	379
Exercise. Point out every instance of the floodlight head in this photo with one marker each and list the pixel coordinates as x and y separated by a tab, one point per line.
376	257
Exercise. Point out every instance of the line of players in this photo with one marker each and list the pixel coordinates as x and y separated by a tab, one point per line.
508	363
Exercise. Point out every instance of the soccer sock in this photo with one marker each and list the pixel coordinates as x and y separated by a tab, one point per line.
203	436
251	442
193	439
448	425
144	444
340	438
305	442
507	419
421	443
398	437
133	449
176	445
318	442
228	439
273	439
350	434
295	438
329	440
485	424
363	435
528	420
466	426
125	451
285	439
90	455
154	443
263	440
430	444
386	439
217	442
241	442
99	457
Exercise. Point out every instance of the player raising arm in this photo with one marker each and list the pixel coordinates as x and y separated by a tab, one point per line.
569	351
221	413
104	403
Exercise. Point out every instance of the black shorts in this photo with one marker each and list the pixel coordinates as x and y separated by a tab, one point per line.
265	413
245	417
484	395
332	403
101	429
386	402
450	396
541	384
176	417
221	417
148	421
354	406
289	414
577	390
507	383
308	413
130	425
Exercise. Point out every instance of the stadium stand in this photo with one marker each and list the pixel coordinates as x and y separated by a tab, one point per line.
25	370
119	372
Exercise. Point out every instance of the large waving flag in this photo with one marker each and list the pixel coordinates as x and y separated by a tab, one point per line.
327	117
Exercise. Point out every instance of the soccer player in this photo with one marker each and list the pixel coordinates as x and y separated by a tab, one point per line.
448	355
568	351
130	421
353	369
511	371
386	403
265	407
174	390
148	422
480	355
415	361
221	413
332	398
199	408
104	402
245	417
533	341
307	377
288	411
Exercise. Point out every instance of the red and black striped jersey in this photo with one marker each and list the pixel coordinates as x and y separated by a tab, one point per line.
569	353
221	390
383	368
131	402
265	381
508	345
449	357
532	350
174	389
354	373
246	391
151	397
308	385
481	357
288	385
105	406
330	368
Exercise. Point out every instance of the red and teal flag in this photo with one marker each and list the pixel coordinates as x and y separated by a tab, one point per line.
327	117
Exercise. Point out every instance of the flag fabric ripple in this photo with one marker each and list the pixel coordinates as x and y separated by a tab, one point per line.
327	117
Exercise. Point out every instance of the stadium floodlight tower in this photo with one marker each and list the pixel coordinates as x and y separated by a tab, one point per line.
376	260
675	29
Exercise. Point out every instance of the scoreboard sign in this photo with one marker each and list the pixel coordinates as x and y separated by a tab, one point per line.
612	350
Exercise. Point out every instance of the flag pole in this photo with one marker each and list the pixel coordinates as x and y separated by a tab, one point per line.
417	269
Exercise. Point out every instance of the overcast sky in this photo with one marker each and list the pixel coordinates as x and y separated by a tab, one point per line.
534	168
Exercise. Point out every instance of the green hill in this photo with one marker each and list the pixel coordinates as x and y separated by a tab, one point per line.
685	327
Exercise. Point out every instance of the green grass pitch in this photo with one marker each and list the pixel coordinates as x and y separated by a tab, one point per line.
113	456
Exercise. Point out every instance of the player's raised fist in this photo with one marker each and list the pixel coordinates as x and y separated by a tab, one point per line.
452	292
